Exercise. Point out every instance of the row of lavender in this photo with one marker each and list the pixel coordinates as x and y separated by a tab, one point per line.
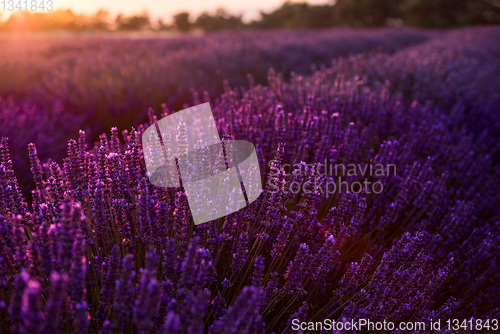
100	250
106	78
100	83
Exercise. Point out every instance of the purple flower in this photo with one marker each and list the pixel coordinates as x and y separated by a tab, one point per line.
124	293
55	303
31	310
423	247
172	324
108	286
36	168
19	242
146	305
242	313
300	315
16	304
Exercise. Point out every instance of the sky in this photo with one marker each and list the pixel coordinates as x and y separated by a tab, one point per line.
166	8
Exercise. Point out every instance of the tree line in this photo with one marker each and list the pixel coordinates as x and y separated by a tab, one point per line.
357	13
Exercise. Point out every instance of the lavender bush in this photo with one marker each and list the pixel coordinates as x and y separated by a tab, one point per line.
101	250
110	80
24	122
94	84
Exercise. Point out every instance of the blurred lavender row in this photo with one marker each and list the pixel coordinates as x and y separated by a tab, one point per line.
101	250
101	83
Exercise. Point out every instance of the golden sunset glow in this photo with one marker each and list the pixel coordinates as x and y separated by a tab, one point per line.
165	9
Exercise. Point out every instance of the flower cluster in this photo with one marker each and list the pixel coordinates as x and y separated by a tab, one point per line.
51	88
101	250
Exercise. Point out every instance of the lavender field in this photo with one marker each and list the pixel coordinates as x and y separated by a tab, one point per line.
88	245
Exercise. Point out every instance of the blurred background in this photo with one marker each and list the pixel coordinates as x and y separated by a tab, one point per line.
84	66
410	82
212	15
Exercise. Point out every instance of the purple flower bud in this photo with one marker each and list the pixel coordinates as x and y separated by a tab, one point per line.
258	269
298	271
124	296
18	238
242	313
55	303
301	315
108	286
172	324
218	306
146	304
36	167
34	259
240	252
46	249
106	328
16	304
31	312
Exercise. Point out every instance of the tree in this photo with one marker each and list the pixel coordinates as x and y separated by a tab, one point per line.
297	15
133	23
366	12
421	13
100	20
450	13
220	21
181	22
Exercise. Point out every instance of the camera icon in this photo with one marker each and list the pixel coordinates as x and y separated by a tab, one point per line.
219	177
